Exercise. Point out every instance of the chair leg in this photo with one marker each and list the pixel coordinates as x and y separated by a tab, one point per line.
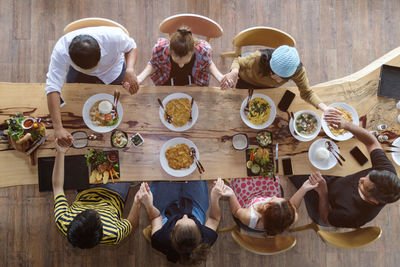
227	229
228	54
310	226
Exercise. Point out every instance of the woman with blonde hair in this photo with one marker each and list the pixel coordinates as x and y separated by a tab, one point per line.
181	60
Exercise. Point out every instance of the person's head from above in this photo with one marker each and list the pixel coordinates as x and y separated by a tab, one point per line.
380	187
86	230
283	63
84	52
182	46
277	215
186	240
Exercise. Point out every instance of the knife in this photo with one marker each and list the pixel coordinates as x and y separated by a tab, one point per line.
276	158
35	146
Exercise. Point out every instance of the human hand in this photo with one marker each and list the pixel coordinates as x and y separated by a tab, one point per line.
334	118
221	189
59	148
307	186
145	196
63	137
229	80
316	179
130	81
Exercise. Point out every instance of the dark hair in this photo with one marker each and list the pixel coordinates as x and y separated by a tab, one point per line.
182	42
84	51
266	55
186	240
386	186
278	216
86	230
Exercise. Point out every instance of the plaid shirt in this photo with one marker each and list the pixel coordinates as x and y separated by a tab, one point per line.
160	61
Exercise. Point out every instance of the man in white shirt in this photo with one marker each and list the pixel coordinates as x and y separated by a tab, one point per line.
93	55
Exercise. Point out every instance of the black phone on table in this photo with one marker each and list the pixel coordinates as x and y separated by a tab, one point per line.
286	100
287	166
359	156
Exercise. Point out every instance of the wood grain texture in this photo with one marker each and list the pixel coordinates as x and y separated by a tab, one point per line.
335	38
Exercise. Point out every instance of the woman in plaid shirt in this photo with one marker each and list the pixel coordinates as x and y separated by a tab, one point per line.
182	60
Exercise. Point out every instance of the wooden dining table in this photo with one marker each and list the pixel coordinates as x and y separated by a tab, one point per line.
219	119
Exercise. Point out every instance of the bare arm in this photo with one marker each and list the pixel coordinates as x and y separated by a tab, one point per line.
214	215
299	195
53	102
130	81
215	72
133	216
148	70
145	196
322	190
58	170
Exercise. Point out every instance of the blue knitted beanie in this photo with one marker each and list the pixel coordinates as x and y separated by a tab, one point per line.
284	61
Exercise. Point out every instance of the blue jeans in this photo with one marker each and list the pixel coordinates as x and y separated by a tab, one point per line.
165	193
74	76
121	189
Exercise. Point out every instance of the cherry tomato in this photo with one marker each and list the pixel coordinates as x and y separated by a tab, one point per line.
108	117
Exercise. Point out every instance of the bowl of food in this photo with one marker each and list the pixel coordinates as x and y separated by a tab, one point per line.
306	124
179	107
119	139
349	114
320	157
264	138
137	140
99	114
175	157
261	113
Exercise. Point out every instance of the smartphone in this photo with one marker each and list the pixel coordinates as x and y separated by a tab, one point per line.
62	102
359	156
286	100
287	166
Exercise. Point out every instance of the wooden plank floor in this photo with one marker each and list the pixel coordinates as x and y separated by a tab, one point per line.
334	38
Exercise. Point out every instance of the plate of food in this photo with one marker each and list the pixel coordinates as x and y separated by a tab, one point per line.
99	115
179	107
306	124
175	157
319	155
259	162
349	114
262	111
396	155
103	165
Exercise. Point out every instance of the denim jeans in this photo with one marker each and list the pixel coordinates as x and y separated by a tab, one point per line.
165	193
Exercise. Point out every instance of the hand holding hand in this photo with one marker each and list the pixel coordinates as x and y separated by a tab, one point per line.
59	148
229	80
316	179
334	118
64	138
221	189
145	195
307	186
130	82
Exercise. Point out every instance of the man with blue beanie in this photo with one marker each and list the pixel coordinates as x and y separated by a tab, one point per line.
270	68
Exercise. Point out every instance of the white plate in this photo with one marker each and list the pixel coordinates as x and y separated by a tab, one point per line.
300	137
272	113
396	156
347	135
326	164
188	125
164	161
88	105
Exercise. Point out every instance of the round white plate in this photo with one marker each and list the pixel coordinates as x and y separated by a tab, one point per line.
347	135
272	113
164	161
189	124
396	155
303	138
88	105
326	164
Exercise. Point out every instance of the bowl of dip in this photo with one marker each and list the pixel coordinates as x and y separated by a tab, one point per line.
240	141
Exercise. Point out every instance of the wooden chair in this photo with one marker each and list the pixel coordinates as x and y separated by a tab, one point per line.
261	245
260	36
92	22
200	25
147	233
353	239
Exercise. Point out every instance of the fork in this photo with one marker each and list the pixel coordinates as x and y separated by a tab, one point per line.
193	154
191	108
169	119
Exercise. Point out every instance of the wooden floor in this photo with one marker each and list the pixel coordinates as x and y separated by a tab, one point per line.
334	38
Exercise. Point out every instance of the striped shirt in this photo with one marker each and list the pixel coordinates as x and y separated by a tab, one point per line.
107	203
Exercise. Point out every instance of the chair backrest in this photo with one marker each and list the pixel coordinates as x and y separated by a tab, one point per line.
147	233
261	36
199	25
353	239
264	246
92	22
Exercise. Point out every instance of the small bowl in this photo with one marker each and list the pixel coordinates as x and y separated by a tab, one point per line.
137	140
114	133
30	121
240	141
82	142
318	129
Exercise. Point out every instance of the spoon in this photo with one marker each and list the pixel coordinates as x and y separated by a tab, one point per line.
90	137
169	119
246	108
331	147
328	145
191	108
117	94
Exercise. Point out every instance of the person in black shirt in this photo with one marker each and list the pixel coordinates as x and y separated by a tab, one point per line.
179	227
356	199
